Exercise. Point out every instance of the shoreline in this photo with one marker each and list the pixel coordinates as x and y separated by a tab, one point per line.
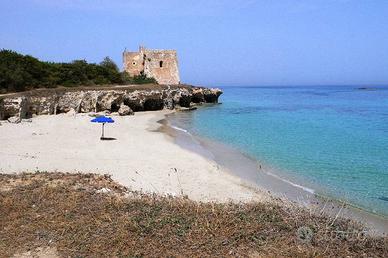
259	175
146	157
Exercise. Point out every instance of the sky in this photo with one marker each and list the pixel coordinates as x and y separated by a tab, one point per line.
219	42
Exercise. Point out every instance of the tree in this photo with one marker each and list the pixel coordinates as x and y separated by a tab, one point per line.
108	63
111	70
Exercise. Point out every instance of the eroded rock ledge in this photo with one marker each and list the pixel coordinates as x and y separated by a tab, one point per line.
128	98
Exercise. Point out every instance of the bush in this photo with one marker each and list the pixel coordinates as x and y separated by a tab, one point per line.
137	79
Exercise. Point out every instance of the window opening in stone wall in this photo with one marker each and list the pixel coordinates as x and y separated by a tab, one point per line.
161	63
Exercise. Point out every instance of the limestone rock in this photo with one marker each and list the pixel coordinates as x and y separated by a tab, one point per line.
42	105
14	119
125	110
14	107
153	103
185	100
197	95
106	100
109	100
135	100
211	95
205	95
169	103
180	97
89	102
71	112
69	100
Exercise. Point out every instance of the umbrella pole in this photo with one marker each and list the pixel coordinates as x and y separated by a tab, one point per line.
102	136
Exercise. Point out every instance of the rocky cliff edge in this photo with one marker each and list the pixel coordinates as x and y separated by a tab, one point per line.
122	99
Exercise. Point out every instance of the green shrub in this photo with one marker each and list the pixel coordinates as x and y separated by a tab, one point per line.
137	79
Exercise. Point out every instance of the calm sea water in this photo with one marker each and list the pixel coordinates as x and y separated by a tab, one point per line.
331	139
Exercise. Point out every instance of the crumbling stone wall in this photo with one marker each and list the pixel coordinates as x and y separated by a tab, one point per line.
133	63
159	64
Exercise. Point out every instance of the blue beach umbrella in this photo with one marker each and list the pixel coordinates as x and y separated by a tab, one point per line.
102	120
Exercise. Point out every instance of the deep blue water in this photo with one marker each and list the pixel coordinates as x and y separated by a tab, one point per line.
331	139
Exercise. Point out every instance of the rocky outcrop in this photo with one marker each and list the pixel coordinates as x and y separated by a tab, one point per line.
124	110
211	95
124	100
14	119
205	95
13	109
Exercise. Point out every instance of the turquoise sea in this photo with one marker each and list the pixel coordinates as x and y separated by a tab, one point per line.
333	139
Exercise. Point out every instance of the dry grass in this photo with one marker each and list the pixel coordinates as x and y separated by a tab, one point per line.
70	212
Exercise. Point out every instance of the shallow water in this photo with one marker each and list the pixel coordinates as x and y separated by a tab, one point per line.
333	140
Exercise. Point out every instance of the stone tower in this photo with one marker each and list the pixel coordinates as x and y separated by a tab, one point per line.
159	64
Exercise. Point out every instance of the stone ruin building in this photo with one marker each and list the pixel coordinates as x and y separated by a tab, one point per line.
159	64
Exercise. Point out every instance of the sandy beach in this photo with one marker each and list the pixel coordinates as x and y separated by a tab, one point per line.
140	157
